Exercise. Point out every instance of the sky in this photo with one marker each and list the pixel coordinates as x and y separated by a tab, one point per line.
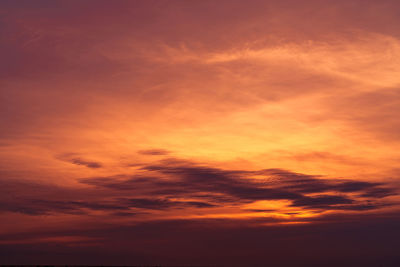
200	132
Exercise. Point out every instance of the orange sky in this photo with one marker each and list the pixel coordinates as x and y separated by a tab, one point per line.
121	113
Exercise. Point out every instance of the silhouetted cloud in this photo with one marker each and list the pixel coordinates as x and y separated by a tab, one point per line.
178	184
89	164
317	184
43	207
379	192
148	203
232	187
120	205
321	201
74	159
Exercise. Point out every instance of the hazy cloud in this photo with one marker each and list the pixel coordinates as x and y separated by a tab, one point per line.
154	152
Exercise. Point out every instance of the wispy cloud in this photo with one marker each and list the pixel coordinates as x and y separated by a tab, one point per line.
75	159
154	152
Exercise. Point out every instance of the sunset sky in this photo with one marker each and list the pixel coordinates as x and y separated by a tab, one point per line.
200	132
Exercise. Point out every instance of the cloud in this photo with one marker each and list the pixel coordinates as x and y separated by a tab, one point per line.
89	164
74	159
122	182
178	184
46	207
117	206
152	203
154	152
316	184
379	192
321	201
35	199
182	179
324	156
374	113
